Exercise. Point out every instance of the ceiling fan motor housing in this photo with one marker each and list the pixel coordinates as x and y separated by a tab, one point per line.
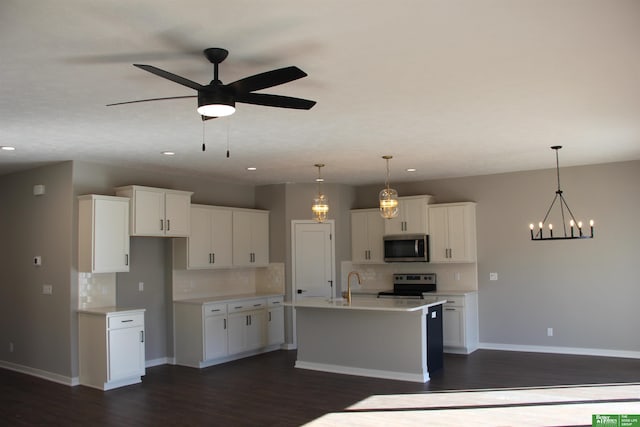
215	95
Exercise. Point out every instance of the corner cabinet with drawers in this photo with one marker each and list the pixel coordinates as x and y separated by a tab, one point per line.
157	212
112	347
460	322
213	331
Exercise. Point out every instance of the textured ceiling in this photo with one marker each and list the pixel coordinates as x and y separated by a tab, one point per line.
452	88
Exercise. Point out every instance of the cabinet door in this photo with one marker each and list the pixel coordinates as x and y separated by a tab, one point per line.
149	213
215	337
236	332
458	234
242	238
221	237
260	238
453	326
367	229
111	236
256	330
412	218
275	328
176	214
126	353
438	237
199	241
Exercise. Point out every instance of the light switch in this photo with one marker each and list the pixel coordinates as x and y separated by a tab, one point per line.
47	289
493	276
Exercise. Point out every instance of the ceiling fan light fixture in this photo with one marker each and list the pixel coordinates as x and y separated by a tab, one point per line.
215	104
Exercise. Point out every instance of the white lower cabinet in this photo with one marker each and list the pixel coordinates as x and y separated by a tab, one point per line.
275	321
460	322
112	348
208	333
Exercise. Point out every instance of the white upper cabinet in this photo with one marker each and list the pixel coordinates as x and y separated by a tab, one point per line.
452	232
250	238
367	229
210	242
103	234
157	211
412	218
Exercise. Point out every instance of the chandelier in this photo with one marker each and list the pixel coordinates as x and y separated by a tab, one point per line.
320	207
388	197
574	233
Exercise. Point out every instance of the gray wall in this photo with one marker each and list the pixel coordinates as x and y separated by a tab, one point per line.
587	290
41	327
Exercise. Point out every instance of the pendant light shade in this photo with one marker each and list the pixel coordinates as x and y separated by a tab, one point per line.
388	197
320	207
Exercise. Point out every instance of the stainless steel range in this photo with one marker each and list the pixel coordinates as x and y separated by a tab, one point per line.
411	285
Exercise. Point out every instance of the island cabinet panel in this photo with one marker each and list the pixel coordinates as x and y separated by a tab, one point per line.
112	348
452	232
460	323
250	238
412	217
210	241
367	229
103	234
157	211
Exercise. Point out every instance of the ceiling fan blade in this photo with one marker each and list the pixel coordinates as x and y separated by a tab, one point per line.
275	101
267	79
170	76
152	99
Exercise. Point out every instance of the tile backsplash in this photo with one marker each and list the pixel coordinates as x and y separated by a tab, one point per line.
96	290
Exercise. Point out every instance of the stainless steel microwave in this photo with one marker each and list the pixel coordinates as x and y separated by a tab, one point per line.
406	248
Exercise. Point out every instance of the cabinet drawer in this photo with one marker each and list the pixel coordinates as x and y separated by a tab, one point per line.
126	321
214	309
275	301
452	300
246	305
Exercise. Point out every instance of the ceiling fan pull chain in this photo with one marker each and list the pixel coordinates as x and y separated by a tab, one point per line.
227	139
203	146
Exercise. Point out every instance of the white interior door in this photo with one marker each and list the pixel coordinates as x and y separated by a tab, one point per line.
313	262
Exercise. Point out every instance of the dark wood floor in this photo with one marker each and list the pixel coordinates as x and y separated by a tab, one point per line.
266	390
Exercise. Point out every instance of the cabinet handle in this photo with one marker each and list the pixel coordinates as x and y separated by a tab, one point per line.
126	321
213	258
269	316
225	323
168	224
238	307
126	259
257	305
450	309
213	310
161	225
141	336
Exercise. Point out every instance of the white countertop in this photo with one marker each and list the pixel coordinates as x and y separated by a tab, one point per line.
382	304
226	298
362	292
110	310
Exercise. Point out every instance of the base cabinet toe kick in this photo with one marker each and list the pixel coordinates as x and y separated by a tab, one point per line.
381	338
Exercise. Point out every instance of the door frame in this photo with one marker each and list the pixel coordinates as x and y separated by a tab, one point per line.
294	286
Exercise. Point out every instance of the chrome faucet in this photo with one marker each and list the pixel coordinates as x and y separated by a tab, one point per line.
349	284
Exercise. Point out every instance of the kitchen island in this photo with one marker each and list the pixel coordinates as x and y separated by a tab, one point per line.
382	338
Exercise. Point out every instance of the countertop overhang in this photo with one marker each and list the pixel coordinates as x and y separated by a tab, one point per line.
379	304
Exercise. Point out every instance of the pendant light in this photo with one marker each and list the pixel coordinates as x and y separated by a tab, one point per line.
388	197
574	234
320	207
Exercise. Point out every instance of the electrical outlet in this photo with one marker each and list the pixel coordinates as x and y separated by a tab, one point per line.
37	260
47	289
10	347
549	332
493	276
140	286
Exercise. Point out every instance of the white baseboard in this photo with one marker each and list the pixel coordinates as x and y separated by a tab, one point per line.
375	373
289	346
45	375
561	350
157	362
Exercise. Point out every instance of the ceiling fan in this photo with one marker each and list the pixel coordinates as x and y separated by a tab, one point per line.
218	100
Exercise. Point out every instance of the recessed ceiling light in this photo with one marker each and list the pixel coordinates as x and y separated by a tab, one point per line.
7	148
251	168
169	153
411	169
